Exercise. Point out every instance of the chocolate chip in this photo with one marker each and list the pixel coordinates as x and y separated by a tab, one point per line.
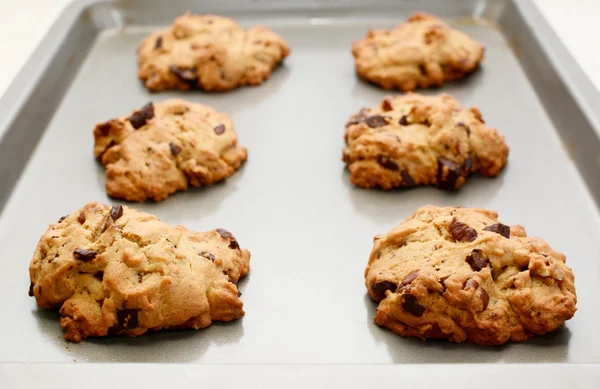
225	234
208	256
128	318
359	117
471	283
499	228
435	332
485	298
448	173
387	163
376	121
84	255
31	289
116	212
403	121
81	218
477	260
219	129
175	150
187	75
468	163
423	69
159	43
381	286
99	275
462	232
104	128
234	244
407	180
62	218
410	305
239	294
139	118
386	105
410	278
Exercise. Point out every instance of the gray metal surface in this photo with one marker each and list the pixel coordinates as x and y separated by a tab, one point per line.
309	230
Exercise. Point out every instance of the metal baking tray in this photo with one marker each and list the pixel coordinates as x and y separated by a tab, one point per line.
309	230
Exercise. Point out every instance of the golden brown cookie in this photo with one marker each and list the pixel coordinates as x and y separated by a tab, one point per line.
422	53
114	270
163	147
209	52
414	140
459	274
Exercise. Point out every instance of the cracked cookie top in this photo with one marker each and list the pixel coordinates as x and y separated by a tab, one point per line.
413	139
460	274
161	148
114	270
422	53
209	52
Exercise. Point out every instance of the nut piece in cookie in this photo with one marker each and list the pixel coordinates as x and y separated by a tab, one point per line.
164	147
414	140
114	270
422	53
460	274
209	52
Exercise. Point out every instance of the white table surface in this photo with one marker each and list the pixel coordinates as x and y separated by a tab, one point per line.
23	23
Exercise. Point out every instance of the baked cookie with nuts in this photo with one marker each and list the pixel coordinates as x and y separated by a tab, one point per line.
422	53
209	52
414	140
460	274
114	270
164	147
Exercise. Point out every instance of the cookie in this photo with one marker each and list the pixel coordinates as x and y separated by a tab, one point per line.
208	52
414	140
164	147
422	53
114	270
460	274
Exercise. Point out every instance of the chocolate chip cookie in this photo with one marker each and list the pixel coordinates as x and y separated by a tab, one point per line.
414	140
209	52
164	147
460	274
114	270
422	53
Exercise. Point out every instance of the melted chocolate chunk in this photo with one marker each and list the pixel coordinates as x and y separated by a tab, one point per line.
381	286
159	43
386	105
139	118
403	121
234	244
99	275
116	212
485	298
84	255
471	283
31	285
62	218
387	163
376	121
448	173
462	232
219	129
410	278
175	150
128	318
410	305
225	234
407	180
499	228
187	75
208	256
477	260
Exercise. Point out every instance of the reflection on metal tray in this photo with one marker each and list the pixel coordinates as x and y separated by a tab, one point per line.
310	231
